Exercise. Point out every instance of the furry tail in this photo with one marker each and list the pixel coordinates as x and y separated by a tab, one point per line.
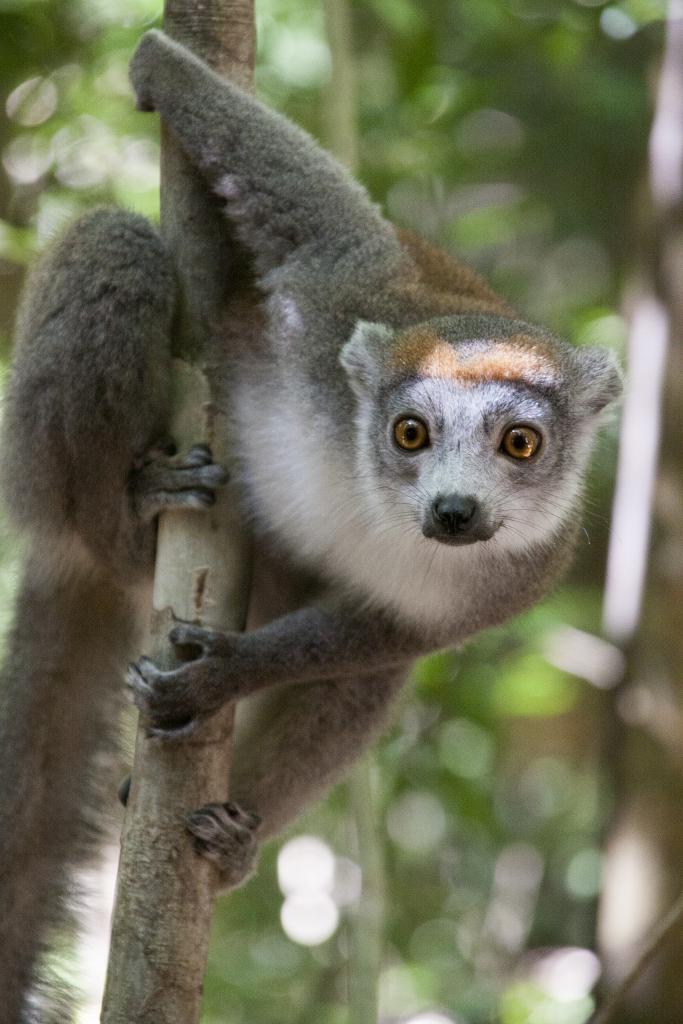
60	697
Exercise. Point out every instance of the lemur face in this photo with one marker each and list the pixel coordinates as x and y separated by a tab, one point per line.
489	462
477	440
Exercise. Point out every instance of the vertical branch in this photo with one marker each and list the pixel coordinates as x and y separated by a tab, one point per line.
365	955
366	947
340	99
636	470
645	967
650	328
165	891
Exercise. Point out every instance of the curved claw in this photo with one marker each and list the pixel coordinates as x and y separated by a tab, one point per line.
174	702
201	455
142	679
184	634
150	686
136	682
147	668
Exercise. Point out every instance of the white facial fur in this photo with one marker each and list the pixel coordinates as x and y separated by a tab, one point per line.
525	501
334	510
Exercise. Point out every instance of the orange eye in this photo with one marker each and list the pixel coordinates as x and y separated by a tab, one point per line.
520	442
411	434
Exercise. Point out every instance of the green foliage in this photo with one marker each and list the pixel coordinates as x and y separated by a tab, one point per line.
525	1003
515	133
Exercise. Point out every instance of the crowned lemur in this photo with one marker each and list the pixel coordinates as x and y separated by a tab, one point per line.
411	454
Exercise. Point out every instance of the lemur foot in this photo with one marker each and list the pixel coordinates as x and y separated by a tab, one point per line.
174	701
226	834
163	480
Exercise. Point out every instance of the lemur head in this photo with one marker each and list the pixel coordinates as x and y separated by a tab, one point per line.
476	428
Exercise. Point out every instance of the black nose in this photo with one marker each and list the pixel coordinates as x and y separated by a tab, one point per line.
456	514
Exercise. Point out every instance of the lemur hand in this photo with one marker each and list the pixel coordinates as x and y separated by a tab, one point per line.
174	702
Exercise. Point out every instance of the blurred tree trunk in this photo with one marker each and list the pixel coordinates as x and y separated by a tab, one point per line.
643	875
367	920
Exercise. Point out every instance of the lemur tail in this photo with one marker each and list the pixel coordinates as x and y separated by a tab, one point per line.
59	693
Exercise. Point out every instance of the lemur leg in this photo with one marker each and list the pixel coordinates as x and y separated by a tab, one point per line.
283	192
89	395
292	743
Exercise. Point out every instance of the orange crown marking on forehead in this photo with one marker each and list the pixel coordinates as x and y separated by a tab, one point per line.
516	358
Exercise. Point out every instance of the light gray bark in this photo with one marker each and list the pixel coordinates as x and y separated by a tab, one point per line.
165	890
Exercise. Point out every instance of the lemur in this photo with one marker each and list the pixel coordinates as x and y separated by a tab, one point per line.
411	453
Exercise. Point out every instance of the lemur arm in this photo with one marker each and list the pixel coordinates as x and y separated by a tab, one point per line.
282	191
310	644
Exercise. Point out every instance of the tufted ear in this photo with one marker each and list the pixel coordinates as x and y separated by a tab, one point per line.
599	379
362	355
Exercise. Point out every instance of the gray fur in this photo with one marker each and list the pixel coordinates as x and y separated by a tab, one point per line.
313	409
348	588
79	369
60	699
85	469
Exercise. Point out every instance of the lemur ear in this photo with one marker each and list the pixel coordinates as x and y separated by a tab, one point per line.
599	378
361	356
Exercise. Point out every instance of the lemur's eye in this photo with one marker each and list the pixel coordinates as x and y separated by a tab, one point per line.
411	434
520	442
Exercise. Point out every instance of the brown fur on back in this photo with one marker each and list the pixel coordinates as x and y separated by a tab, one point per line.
449	285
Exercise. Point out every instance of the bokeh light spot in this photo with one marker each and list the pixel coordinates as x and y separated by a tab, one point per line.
417	822
32	102
617	24
584	874
305	864
466	749
309	918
